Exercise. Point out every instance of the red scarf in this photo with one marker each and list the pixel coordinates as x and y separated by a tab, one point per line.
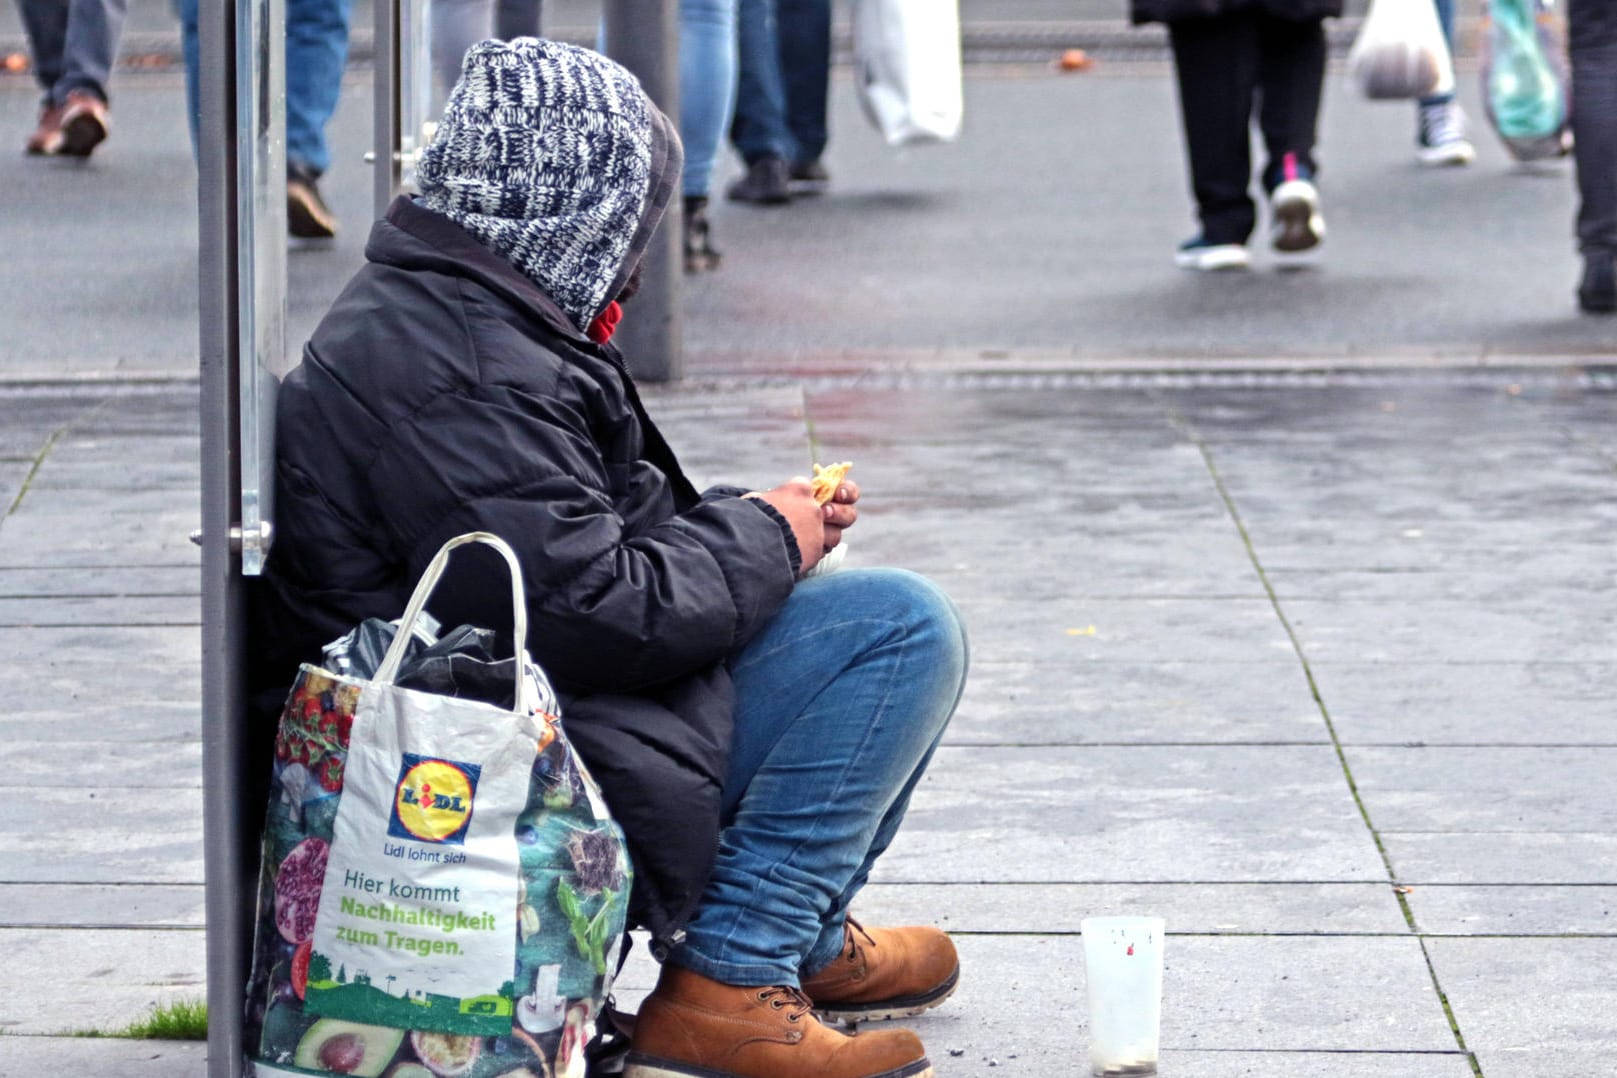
605	323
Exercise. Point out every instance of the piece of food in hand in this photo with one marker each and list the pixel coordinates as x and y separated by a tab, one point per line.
827	479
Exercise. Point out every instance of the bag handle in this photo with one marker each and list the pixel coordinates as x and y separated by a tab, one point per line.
389	670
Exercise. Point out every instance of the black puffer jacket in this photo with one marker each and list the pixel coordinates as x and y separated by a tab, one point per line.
1142	11
444	393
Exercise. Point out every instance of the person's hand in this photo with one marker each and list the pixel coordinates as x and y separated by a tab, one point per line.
810	521
841	512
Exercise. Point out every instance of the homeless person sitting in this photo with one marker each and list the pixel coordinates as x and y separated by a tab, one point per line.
757	734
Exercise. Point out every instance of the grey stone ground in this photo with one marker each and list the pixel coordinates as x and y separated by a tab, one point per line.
1316	664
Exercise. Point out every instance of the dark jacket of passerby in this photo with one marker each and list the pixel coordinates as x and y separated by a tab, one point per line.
447	392
1143	11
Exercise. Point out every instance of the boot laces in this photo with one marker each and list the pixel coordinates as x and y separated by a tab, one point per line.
784	997
854	931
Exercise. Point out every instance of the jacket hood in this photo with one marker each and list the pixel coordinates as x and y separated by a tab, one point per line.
553	157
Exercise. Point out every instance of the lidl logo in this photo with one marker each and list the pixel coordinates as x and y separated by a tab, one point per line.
433	800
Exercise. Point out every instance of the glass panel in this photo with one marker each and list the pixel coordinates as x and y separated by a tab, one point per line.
417	101
261	259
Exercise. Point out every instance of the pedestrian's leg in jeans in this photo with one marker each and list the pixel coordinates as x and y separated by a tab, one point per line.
1445	19
316	50
45	22
840	702
1593	41
1216	61
707	85
805	64
93	30
1291	78
759	129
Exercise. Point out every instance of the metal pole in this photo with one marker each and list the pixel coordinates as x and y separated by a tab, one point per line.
385	114
227	839
643	36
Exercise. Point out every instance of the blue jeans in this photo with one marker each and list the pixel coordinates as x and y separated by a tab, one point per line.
1445	18
785	54
316	51
707	85
73	42
840	703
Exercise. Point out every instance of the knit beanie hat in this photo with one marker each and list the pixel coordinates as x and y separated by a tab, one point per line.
554	157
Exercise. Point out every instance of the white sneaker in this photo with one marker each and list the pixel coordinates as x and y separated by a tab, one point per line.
1198	254
1297	224
1440	136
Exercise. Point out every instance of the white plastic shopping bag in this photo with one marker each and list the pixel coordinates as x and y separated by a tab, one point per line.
1400	52
443	889
907	63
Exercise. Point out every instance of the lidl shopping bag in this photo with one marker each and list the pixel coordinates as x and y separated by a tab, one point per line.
906	57
442	887
1526	83
1400	51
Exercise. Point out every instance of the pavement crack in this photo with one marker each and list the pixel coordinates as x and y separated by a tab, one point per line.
1178	421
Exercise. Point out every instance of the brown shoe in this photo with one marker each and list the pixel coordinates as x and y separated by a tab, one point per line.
46	141
84	124
694	1027
306	214
885	973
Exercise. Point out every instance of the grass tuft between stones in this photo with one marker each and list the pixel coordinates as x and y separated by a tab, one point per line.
177	1020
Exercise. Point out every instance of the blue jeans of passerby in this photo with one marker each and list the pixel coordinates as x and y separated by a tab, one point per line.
1592	41
707	85
316	52
74	43
840	703
785	62
1445	19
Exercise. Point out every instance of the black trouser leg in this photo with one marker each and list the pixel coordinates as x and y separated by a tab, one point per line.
1291	80
1216	61
1592	28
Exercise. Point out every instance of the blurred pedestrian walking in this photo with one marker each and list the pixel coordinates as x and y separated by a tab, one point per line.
1440	123
707	91
316	53
1592	33
74	43
1234	58
780	126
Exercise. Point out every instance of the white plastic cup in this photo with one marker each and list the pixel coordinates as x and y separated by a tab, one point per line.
1123	968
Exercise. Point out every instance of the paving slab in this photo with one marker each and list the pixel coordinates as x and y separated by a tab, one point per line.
98	979
100	581
1280	909
1546	703
29	1057
1142	813
1121	630
134	764
1571	857
90	719
1486	788
98	666
1522	910
1530	630
1025	703
73	836
27	905
1552	573
59	610
1530	1000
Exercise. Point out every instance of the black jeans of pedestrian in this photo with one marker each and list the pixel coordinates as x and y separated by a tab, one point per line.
1592	37
1229	66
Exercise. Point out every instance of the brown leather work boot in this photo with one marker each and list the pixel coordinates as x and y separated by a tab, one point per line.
885	973
694	1027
